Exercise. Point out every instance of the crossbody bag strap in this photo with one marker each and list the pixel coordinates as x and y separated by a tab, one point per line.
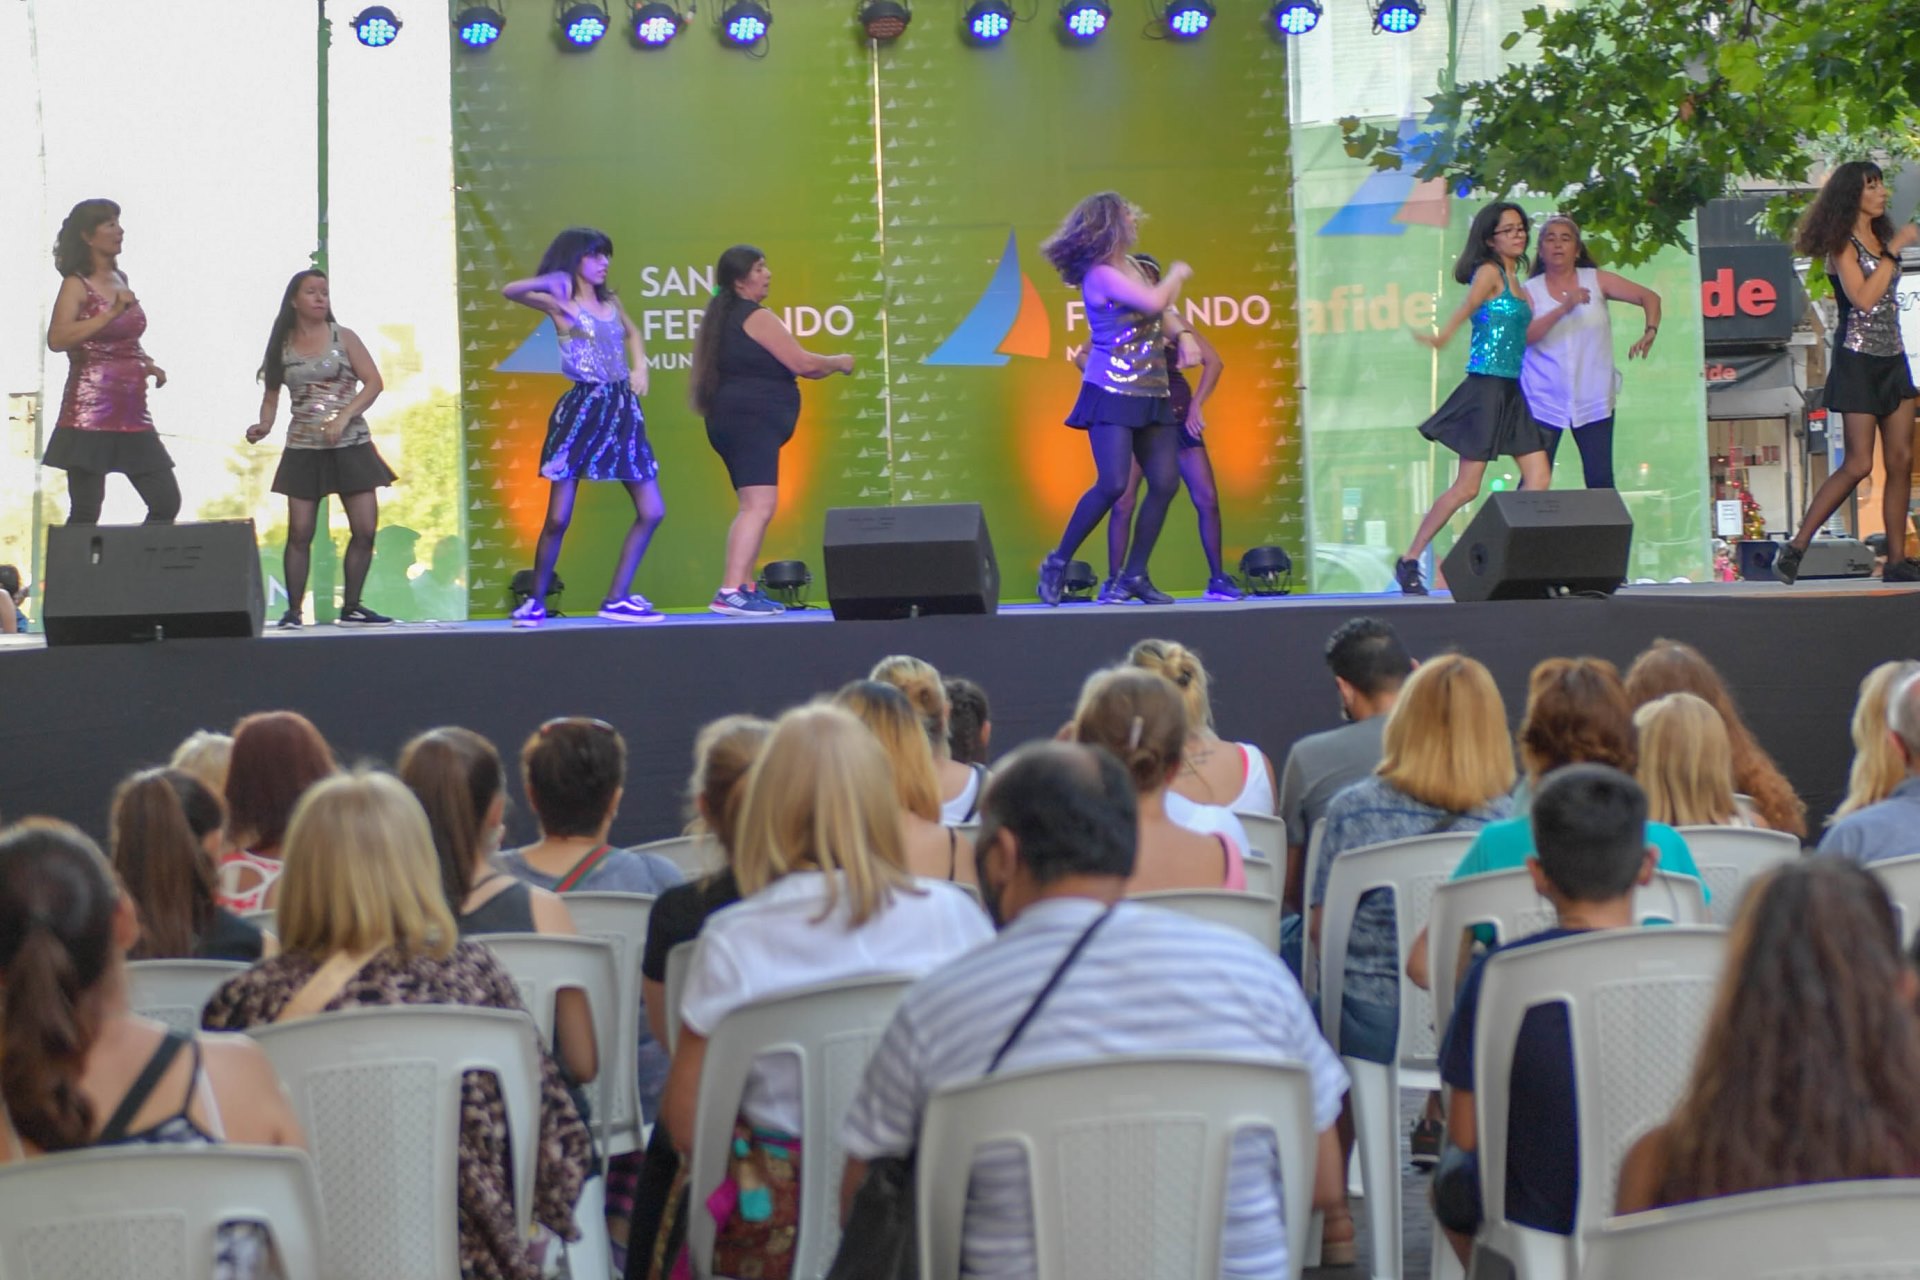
328	981
583	868
1059	972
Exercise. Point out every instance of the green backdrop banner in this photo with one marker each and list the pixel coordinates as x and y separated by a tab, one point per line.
900	194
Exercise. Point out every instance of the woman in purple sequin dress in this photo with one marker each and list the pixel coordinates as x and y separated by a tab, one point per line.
103	425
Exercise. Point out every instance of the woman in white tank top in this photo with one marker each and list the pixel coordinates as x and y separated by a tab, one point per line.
1569	377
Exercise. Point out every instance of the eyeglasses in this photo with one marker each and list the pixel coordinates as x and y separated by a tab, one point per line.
562	722
1510	231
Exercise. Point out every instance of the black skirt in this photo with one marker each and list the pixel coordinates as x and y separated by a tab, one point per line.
1485	418
1868	384
133	453
314	473
1099	407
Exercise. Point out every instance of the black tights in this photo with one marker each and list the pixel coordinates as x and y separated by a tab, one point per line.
1896	456
303	520
1115	450
649	509
1196	471
87	493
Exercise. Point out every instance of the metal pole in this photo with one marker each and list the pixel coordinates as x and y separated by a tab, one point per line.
324	561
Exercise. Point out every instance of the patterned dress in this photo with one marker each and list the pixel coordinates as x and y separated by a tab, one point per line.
103	424
597	431
490	1247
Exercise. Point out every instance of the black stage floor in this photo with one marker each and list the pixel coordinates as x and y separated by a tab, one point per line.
73	720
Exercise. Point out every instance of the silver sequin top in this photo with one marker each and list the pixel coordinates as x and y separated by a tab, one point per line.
322	386
1870	331
595	350
1127	355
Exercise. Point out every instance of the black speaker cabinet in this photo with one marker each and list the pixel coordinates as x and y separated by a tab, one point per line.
902	562
115	584
1523	546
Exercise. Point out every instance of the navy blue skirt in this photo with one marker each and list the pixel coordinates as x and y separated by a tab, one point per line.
1099	407
597	432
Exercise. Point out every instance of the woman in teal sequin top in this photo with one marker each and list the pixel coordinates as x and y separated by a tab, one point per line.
1486	417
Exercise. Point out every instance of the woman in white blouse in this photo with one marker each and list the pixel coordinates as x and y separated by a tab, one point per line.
1569	377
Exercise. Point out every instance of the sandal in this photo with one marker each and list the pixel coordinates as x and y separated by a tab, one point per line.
1337	1239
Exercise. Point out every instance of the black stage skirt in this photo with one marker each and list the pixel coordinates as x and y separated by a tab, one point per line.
314	473
133	453
1868	384
597	432
1485	418
1099	407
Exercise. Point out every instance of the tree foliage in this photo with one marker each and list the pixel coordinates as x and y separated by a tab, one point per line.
1637	112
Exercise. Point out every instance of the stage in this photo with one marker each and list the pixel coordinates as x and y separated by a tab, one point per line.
76	719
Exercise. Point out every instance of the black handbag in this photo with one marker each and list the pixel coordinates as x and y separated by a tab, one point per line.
881	1238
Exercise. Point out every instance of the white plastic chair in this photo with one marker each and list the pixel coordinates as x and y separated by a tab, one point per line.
679	961
1637	1001
1255	914
831	1029
1267	834
378	1093
620	920
694	855
1410	870
1263	877
176	991
134	1213
1730	857
1831	1231
261	917
968	831
1901	876
1127	1160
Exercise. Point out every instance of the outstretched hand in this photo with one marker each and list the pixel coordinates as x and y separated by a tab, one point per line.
1638	351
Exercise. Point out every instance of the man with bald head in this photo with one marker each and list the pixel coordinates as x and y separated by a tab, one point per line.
1890	829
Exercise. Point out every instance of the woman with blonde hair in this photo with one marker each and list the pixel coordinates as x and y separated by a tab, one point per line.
364	922
206	755
1877	767
960	784
1233	775
1686	763
826	897
932	849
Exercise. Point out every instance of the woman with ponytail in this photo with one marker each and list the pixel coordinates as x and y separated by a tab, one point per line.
961	785
166	833
1232	775
745	360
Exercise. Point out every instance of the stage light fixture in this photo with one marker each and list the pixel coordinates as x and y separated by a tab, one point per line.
988	21
479	25
1267	571
584	24
1078	583
1189	19
786	581
884	19
1297	17
1085	19
1397	17
746	22
655	24
376	26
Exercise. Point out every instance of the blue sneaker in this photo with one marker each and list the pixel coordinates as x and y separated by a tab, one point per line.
530	614
631	609
736	603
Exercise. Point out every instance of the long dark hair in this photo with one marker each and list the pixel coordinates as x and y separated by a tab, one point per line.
1805	1073
56	944
456	775
1093	232
569	247
159	858
273	369
71	256
734	266
1827	224
1581	258
1478	252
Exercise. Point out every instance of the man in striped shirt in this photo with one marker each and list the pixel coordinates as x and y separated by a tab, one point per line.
1056	846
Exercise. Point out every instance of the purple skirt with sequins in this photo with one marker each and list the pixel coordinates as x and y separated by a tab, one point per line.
597	432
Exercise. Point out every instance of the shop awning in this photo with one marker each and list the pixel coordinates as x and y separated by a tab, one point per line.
1752	385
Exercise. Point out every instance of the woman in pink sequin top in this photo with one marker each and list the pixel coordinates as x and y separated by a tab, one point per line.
103	425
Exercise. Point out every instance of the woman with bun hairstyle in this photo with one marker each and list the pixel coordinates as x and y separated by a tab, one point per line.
1233	775
166	832
960	784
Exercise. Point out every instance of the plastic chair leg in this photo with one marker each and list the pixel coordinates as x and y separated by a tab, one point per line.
591	1256
1376	1123
1443	1263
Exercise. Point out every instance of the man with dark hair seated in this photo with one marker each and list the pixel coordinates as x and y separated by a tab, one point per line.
1056	846
1590	854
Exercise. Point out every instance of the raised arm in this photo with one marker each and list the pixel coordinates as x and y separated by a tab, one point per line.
65	329
1486	283
1105	284
1621	289
771	332
1865	290
1543	321
549	293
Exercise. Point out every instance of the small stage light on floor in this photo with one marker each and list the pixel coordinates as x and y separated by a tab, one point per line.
376	26
1268	571
746	22
654	24
1085	19
1397	17
1079	582
988	21
1188	19
583	24
786	582
1296	17
521	589
884	19
479	25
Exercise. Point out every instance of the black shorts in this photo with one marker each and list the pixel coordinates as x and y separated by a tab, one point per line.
747	428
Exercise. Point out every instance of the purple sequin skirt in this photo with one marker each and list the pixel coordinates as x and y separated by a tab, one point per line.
597	432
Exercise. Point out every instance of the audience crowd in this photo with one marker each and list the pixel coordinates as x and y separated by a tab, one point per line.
1043	910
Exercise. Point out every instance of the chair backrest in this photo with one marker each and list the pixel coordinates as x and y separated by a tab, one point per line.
1267	834
137	1213
1255	914
694	855
543	966
1901	876
620	920
261	917
1730	857
378	1092
679	960
175	991
1128	1160
1411	870
1637	1002
1262	876
831	1030
968	831
1310	954
1506	903
1830	1231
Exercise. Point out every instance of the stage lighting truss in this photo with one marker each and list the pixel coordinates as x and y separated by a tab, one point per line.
1397	17
1296	17
582	25
1188	19
376	26
988	21
477	26
1085	19
745	23
884	19
655	24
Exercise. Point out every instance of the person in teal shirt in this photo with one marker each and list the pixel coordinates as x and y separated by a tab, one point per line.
1506	846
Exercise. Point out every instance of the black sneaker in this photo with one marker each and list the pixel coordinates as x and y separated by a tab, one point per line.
1425	1143
1407	574
1901	571
1221	587
1786	564
289	621
361	616
1110	594
1135	586
1053	580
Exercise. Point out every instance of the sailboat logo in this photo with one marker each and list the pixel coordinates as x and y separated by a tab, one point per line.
1009	320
